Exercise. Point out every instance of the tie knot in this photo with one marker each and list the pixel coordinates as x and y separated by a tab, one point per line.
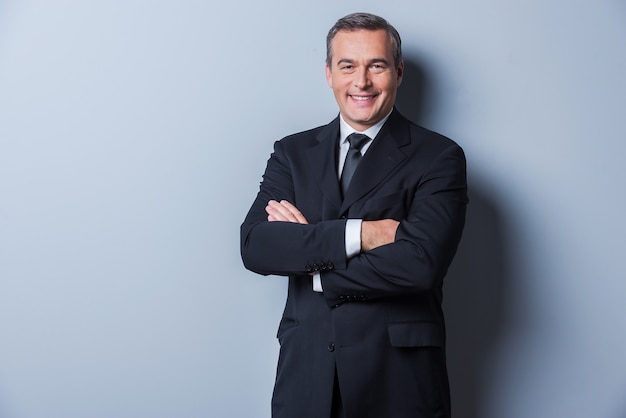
357	140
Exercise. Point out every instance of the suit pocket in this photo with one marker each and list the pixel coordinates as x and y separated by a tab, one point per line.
392	206
286	324
416	334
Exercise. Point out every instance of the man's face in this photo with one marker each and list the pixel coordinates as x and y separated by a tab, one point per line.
363	76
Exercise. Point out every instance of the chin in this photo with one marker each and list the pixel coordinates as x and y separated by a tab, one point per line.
363	119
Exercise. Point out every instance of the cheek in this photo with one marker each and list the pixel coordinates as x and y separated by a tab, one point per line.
388	83
338	87
389	89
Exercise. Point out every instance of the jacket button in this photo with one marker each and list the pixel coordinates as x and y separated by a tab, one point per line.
316	267
331	346
308	268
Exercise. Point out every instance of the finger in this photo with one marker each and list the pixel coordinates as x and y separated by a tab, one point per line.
279	212
294	211
273	215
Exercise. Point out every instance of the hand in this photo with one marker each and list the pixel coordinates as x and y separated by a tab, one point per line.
284	211
377	233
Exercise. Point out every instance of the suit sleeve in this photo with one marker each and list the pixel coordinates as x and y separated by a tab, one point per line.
286	248
425	243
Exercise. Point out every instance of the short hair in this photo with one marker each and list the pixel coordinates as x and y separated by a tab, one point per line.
367	21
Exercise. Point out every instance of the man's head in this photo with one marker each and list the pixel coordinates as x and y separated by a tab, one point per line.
364	68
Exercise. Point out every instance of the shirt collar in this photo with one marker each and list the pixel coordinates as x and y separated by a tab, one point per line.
372	131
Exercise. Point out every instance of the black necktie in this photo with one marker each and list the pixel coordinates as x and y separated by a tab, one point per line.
352	159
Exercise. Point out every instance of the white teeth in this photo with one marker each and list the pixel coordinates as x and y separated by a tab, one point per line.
361	98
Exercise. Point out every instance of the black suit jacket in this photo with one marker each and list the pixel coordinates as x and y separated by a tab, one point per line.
379	321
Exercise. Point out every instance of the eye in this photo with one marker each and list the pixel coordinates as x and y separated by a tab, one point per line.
378	67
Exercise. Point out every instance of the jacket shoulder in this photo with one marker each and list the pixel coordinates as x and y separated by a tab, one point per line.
311	136
410	135
432	138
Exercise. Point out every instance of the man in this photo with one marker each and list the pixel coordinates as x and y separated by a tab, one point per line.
362	334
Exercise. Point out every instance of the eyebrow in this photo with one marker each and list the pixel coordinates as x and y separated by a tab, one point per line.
372	61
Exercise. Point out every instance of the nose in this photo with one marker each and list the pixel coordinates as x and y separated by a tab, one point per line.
362	78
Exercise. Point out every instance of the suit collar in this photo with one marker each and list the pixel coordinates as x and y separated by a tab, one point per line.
383	156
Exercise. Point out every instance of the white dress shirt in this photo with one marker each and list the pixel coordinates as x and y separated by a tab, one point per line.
353	226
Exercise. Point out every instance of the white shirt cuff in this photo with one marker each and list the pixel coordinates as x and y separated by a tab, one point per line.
353	237
317	283
353	247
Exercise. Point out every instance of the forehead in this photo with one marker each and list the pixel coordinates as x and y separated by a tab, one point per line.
362	42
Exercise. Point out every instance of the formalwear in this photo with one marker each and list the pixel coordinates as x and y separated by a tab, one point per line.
378	326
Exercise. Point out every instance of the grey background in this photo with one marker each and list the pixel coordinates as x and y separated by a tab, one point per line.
133	135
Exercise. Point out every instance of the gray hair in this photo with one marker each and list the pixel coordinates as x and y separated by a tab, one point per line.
368	21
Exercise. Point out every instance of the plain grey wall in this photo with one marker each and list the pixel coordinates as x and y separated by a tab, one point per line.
133	135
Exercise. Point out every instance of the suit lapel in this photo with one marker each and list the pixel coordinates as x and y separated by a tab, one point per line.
322	159
380	159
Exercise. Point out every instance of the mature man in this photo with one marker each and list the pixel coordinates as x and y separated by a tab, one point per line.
364	215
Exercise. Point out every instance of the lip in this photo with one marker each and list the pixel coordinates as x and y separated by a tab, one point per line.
363	98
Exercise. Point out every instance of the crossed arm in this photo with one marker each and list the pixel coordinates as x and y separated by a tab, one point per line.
373	233
396	258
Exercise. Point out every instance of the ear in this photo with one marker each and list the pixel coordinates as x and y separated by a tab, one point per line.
400	72
329	76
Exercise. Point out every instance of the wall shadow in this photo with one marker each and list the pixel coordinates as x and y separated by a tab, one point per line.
474	301
474	289
415	93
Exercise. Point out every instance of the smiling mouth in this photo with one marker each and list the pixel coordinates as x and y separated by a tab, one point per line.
362	98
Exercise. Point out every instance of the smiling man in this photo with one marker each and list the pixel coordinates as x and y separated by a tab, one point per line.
364	216
364	75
